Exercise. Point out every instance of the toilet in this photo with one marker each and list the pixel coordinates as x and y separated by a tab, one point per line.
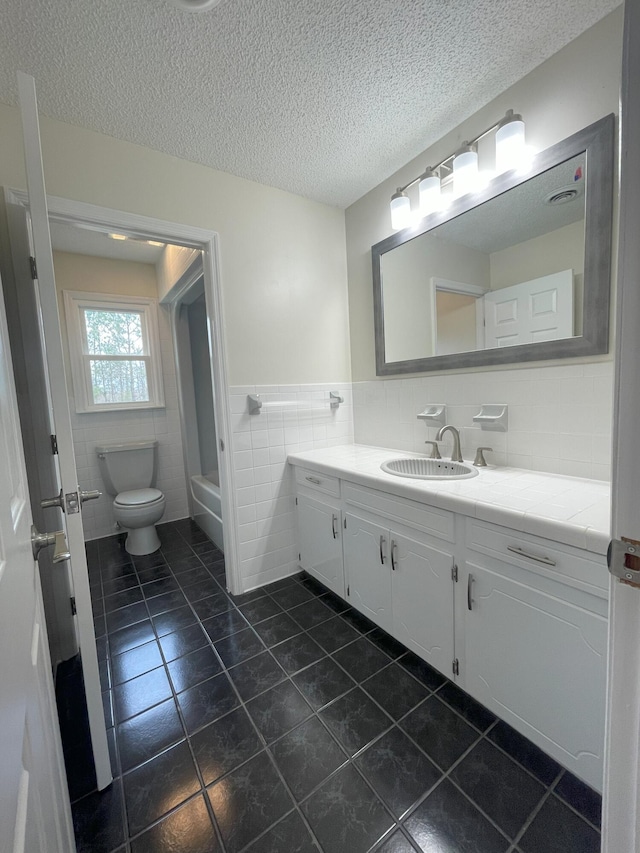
128	470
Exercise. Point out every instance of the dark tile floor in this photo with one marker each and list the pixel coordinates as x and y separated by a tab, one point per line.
282	721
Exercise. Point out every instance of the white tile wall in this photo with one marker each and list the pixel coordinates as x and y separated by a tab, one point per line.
559	416
264	487
164	424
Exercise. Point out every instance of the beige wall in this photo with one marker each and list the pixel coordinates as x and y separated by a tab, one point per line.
577	86
282	257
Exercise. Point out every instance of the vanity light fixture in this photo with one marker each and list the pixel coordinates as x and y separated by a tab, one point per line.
154	243
118	236
462	169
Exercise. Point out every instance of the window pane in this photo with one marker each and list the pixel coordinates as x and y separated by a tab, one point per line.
114	332
119	382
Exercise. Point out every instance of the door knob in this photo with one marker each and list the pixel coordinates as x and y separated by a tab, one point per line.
45	503
43	540
91	495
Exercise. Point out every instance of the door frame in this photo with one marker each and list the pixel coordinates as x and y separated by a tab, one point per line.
96	217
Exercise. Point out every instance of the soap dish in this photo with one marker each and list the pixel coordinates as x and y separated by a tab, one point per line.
434	415
493	417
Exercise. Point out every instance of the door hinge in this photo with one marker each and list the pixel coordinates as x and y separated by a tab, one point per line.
348	591
54	445
345	522
454	573
33	267
299	557
74	609
623	559
296	501
222	445
455	666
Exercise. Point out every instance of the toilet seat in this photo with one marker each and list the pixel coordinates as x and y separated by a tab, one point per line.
138	497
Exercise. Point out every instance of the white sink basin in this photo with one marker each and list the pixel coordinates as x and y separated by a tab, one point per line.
421	468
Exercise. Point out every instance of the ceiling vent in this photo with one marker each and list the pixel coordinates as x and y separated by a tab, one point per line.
562	195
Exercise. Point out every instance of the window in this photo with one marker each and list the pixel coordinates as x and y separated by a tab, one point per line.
114	351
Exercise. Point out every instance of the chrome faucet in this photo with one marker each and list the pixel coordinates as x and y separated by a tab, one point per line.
456	455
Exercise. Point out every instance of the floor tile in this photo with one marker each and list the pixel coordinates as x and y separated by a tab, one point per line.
355	720
290	835
183	563
120	599
187	830
334	602
426	674
144	736
191	576
128	638
174	620
126	616
346	815
98	820
260	609
322	682
386	643
396	843
201	589
292	596
556	829
502	788
524	752
306	756
447	821
223	745
239	647
439	731
256	675
193	668
109	587
297	653
224	625
159	586
183	642
361	659
358	621
135	662
334	634
579	795
277	629
141	693
310	614
278	710
466	706
248	801
166	602
207	701
398	770
395	690
158	786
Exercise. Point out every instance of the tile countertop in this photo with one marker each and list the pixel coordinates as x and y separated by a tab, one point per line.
570	510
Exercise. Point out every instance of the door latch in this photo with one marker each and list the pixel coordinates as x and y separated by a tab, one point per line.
43	540
623	559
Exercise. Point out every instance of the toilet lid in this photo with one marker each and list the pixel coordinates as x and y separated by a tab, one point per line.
136	497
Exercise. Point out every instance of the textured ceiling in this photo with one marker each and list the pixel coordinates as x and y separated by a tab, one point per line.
324	99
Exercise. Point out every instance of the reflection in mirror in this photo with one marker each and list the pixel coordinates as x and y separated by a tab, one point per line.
506	273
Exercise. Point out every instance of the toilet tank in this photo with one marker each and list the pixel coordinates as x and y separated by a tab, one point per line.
126	465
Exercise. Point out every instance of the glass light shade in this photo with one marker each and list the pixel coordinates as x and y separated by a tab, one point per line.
429	190
511	150
465	172
400	210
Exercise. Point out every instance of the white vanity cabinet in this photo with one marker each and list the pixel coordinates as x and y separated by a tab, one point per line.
531	638
319	517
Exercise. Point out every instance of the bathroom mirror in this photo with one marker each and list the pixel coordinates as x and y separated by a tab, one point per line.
518	272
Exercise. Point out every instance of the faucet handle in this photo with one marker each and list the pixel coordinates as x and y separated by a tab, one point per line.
480	461
435	450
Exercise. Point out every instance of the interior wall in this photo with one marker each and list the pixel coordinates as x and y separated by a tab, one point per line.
282	257
105	275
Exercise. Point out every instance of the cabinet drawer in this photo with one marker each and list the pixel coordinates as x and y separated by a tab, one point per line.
580	569
395	510
318	482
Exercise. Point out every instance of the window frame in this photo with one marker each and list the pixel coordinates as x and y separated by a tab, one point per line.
75	303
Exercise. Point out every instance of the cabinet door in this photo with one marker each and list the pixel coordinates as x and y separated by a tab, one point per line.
539	662
319	538
422	590
368	569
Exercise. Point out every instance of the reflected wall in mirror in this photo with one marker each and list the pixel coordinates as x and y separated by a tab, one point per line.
519	273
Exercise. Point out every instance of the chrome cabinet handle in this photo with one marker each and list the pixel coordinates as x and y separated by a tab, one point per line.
522	553
334	519
382	542
314	480
394	545
469	586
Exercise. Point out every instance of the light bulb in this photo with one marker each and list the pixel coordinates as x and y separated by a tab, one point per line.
400	210
465	171
429	190
118	236
510	146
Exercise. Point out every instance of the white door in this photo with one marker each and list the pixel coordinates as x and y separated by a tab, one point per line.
423	600
621	808
536	310
62	418
319	529
368	569
35	816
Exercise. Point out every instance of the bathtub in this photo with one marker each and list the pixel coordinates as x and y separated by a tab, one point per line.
207	508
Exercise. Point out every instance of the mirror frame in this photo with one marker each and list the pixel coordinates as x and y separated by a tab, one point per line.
596	142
